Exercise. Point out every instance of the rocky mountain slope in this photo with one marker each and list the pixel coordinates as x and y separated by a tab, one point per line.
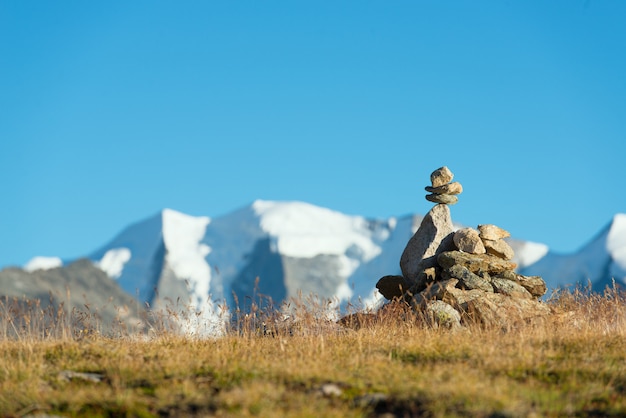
80	287
600	262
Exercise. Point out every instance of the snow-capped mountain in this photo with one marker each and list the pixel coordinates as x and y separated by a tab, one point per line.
292	247
600	262
296	248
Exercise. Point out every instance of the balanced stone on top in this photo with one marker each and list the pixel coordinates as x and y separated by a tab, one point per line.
441	176
442	191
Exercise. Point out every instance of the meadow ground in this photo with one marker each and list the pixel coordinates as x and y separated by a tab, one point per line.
572	363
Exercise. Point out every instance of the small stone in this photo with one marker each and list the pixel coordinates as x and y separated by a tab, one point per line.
440	314
450	188
431	238
468	241
492	232
331	390
392	286
468	279
446	199
510	288
535	285
441	176
475	262
499	248
69	375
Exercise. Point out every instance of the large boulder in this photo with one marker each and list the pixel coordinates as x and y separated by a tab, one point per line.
433	237
496	309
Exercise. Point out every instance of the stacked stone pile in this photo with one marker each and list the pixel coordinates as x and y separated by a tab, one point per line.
464	275
442	190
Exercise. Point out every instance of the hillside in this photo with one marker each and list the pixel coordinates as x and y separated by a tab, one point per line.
80	288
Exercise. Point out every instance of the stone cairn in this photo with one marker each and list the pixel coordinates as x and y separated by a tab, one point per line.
456	277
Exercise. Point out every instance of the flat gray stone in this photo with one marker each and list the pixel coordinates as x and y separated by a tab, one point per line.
535	285
510	288
446	199
475	262
450	188
468	241
431	238
499	248
468	279
441	176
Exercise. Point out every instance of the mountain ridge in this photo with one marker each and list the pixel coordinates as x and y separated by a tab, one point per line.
298	247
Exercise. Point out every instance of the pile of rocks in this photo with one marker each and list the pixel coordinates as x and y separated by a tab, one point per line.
464	275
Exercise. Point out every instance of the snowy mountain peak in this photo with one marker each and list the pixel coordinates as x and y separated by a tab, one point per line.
304	230
616	247
599	262
185	252
616	238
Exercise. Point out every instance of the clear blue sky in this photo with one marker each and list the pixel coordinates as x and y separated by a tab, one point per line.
111	111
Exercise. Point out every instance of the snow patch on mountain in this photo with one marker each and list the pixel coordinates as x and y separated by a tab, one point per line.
616	246
603	259
529	253
231	238
112	263
182	236
43	263
363	280
144	242
303	230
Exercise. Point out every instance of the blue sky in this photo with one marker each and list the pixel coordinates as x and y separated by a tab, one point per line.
111	111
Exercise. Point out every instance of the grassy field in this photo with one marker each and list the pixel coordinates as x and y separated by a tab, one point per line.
570	364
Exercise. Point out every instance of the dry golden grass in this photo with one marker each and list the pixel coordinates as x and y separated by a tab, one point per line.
571	364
